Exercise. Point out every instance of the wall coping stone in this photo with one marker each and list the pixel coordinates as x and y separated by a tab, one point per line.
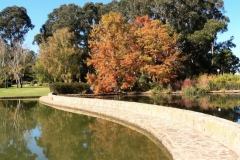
185	134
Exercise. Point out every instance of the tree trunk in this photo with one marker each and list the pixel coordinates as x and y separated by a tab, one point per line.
5	77
21	81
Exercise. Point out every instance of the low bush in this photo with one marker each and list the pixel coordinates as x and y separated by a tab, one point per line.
188	83
225	81
69	88
211	83
156	88
195	91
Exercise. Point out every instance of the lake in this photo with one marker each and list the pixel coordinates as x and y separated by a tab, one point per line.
32	131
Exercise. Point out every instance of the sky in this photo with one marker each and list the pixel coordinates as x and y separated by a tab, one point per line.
38	11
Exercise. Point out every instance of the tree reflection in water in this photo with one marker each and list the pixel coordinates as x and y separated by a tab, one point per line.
30	130
71	136
14	131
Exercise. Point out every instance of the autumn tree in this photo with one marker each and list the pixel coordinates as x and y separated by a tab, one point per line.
108	47
59	55
159	55
197	22
122	52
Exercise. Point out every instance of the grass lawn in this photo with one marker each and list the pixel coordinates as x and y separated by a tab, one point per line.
25	91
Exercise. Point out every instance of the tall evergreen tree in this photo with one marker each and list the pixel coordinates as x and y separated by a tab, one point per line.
79	20
14	24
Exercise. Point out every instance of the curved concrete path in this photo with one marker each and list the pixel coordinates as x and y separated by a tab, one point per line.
185	134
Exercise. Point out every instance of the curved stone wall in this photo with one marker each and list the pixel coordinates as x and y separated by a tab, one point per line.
186	134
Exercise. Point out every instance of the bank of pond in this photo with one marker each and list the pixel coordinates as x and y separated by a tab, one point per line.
225	106
30	130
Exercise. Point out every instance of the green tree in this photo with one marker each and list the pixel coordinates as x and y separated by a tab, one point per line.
132	8
14	24
41	75
3	62
79	20
59	56
29	74
64	16
198	23
224	59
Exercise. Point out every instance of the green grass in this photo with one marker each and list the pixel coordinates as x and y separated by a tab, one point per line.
24	92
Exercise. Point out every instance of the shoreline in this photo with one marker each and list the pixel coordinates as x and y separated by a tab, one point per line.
185	134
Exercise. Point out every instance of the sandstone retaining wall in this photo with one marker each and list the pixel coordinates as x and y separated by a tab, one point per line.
223	131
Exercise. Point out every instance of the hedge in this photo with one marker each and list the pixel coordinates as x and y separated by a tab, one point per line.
69	88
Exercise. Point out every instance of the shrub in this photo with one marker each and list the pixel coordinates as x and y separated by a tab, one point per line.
144	83
155	87
188	83
225	81
69	88
190	90
203	81
195	91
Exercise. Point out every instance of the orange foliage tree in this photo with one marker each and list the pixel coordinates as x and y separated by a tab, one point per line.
121	52
158	53
109	46
59	56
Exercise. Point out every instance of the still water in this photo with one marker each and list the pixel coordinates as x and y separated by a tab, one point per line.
32	131
225	106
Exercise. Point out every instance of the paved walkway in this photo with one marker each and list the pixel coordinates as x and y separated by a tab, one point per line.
183	142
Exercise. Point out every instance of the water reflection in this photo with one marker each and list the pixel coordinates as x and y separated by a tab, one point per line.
225	106
33	131
15	130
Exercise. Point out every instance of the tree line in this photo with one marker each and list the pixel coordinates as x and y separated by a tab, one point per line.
15	58
126	44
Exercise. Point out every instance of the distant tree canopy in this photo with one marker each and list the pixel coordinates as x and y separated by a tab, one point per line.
196	22
79	21
16	60
14	24
16	63
60	56
188	28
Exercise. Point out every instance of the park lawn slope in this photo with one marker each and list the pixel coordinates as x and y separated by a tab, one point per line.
26	91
